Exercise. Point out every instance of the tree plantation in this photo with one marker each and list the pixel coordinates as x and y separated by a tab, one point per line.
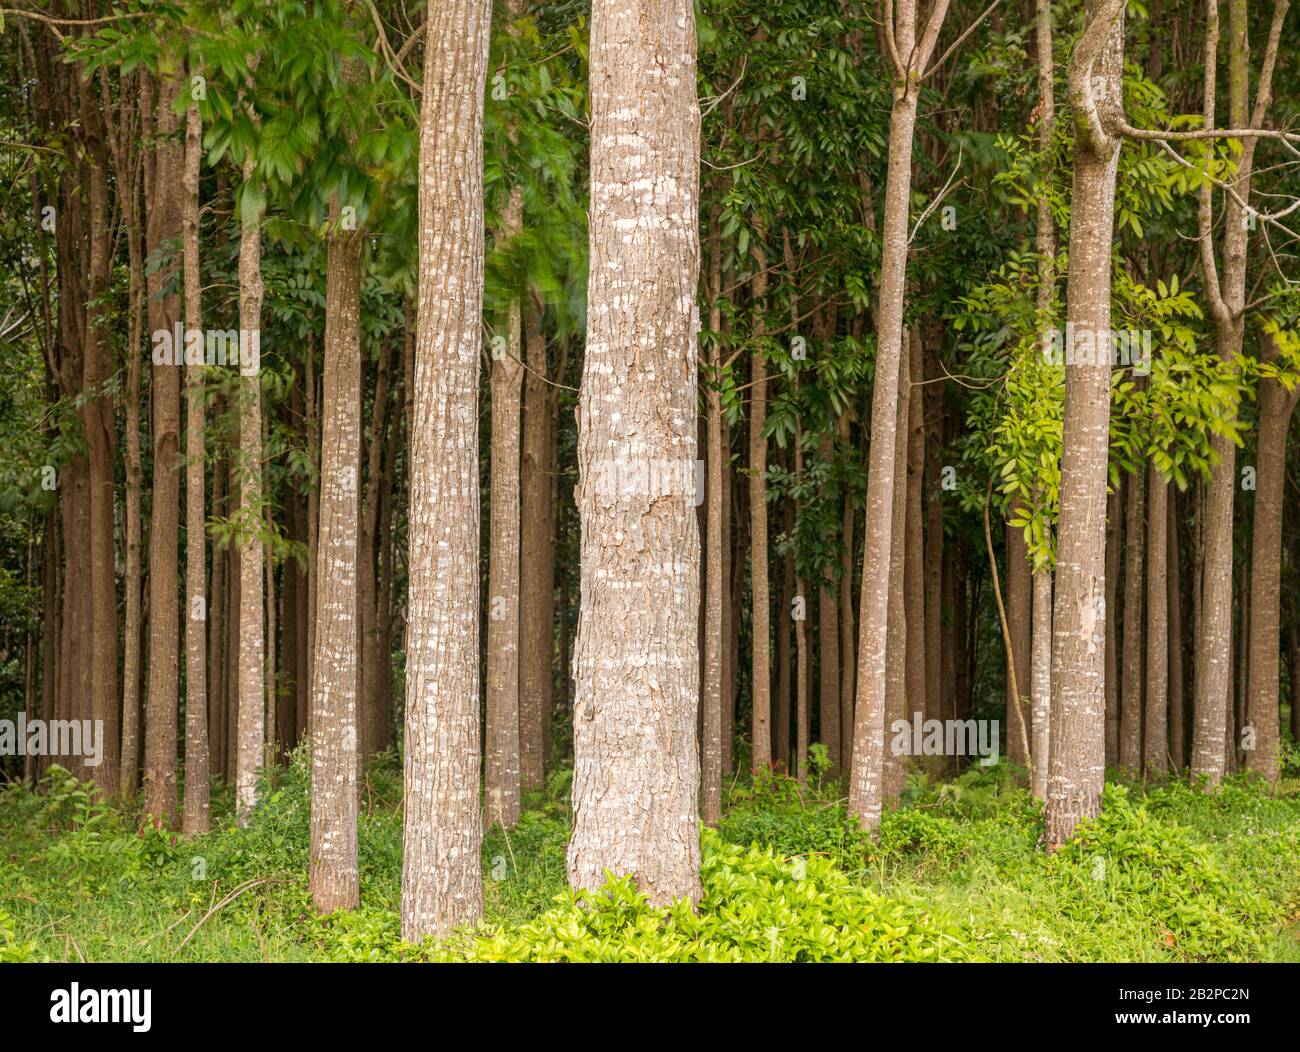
648	480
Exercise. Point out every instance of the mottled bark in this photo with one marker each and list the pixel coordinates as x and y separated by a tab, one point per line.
250	717
1276	406
1130	709
442	880
537	555
1077	762
501	790
1156	703
159	787
195	817
636	662
332	872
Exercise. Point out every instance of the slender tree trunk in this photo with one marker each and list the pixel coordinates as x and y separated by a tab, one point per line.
159	796
897	705
1114	518
133	469
869	727
914	543
100	429
501	795
332	874
717	541
636	767
1264	681
1174	599
197	762
1130	713
847	664
784	623
1041	681
1078	756
1156	748
1019	618
537	555
442	882
250	718
760	589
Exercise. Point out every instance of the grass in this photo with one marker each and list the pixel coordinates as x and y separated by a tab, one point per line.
1165	874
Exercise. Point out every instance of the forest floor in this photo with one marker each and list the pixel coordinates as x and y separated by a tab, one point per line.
1166	874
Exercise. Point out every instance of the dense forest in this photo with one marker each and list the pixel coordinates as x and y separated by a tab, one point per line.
645	480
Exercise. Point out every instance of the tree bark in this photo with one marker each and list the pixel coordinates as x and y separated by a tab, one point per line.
1130	713
442	881
1264	681
501	790
332	875
1156	748
195	819
159	796
636	662
1077	763
251	717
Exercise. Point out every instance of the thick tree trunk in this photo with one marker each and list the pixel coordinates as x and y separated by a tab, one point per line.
636	768
442	880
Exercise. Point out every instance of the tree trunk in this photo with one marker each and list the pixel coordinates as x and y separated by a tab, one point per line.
760	589
197	762
159	796
335	763
1019	619
1156	750
250	718
1114	518
501	770
636	768
896	685
1041	681
537	556
1264	681
1077	763
1130	712
100	428
1174	599
442	882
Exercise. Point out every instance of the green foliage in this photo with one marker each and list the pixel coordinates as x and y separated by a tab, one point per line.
757	906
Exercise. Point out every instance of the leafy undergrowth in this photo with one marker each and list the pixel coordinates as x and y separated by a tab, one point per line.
1165	873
